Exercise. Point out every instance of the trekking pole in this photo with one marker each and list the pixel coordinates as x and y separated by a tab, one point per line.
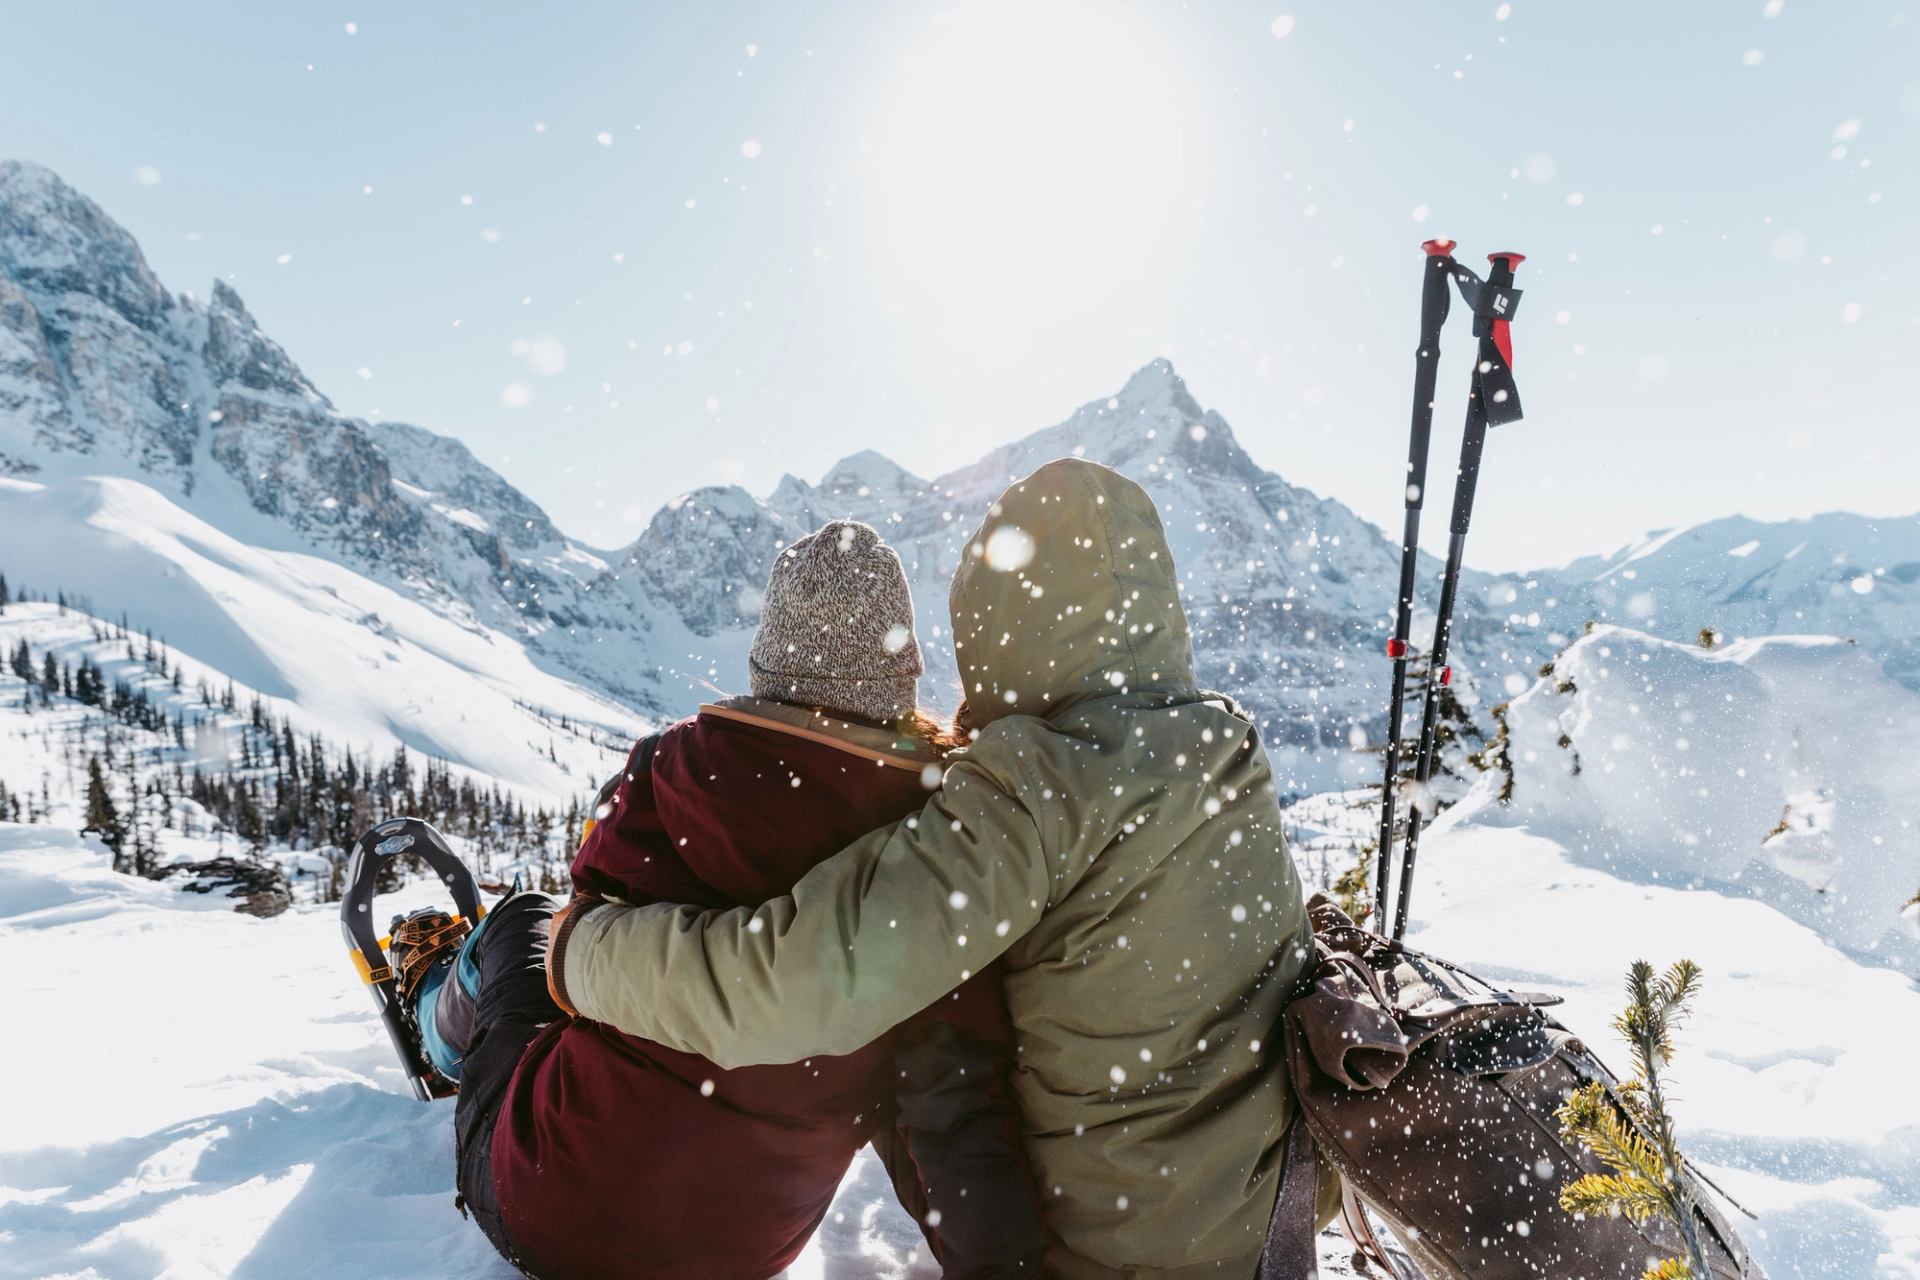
1492	401
1435	300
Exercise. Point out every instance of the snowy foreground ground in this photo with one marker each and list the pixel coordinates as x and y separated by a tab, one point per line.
187	1092
210	1095
197	1093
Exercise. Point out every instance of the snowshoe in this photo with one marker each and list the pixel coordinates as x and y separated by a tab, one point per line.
423	946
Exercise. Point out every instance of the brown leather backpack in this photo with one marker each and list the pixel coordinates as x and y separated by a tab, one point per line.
1432	1094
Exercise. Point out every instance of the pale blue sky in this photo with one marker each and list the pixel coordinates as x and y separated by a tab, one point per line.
964	219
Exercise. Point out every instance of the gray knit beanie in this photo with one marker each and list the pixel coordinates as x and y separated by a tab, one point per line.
836	628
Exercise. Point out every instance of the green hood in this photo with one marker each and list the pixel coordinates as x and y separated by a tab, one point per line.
1067	592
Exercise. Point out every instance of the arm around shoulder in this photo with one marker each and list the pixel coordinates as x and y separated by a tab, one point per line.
866	939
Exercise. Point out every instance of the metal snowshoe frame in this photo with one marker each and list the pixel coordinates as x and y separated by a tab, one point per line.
381	844
1492	401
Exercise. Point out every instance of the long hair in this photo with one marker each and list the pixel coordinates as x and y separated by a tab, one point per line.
943	738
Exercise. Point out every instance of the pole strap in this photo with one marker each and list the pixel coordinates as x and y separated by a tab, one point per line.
1493	303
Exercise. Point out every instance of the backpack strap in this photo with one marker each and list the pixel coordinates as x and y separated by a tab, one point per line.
1353	1221
639	761
1291	1252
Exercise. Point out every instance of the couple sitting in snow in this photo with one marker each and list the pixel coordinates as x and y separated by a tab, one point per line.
1035	960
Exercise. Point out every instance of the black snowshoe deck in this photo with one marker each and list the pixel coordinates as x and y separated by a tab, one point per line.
399	837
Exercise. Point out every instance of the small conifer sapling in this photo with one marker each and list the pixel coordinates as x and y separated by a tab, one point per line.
1631	1129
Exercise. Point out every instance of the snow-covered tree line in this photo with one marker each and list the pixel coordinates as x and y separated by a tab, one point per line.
146	754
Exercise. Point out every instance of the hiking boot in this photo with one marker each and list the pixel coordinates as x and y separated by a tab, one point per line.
422	941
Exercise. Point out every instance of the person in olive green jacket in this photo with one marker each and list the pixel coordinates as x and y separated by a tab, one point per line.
1113	831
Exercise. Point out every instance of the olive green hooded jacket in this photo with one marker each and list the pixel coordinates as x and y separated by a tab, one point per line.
1113	832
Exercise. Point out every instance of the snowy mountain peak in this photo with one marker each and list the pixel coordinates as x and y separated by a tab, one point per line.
705	556
1152	423
238	352
870	470
1157	385
864	486
444	472
55	241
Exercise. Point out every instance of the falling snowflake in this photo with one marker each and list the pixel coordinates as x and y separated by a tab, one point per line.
1009	549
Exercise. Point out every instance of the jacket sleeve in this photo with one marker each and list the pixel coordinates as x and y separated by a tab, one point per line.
956	1158
866	939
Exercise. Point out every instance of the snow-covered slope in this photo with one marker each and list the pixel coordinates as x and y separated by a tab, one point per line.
1779	767
338	653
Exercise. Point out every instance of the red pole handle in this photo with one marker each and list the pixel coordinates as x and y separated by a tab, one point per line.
1437	248
1502	335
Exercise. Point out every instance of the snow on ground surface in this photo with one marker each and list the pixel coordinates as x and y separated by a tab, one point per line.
1793	1082
228	1104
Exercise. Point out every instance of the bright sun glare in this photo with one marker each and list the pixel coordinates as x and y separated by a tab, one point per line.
1028	165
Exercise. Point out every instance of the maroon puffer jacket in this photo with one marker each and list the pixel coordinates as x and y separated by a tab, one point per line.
688	1170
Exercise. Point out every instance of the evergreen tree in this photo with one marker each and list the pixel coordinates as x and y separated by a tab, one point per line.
1635	1139
5	597
1352	889
1495	756
146	854
1452	724
102	818
247	823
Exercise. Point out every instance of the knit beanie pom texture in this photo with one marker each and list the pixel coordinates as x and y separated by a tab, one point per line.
836	627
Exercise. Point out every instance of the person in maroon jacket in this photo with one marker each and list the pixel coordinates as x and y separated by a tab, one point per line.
586	1152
